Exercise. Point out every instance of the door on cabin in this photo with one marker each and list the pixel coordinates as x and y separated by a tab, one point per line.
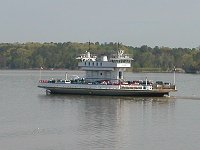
120	75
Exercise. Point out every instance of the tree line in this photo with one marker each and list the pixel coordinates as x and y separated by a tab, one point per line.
62	55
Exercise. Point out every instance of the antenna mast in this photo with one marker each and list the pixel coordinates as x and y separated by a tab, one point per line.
174	75
89	45
118	46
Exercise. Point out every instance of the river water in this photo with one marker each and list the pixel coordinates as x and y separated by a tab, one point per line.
32	120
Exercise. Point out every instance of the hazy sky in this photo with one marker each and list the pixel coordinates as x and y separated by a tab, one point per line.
171	23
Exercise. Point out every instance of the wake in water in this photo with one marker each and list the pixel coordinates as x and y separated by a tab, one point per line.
186	97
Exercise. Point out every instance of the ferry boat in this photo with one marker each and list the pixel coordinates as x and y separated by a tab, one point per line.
105	76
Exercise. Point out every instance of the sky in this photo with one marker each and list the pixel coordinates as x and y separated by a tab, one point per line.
169	23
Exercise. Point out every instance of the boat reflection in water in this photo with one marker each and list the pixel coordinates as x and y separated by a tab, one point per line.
112	122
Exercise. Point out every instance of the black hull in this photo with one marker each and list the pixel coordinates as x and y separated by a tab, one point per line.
110	92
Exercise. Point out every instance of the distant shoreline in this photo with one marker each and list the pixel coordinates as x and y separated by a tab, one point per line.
64	69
